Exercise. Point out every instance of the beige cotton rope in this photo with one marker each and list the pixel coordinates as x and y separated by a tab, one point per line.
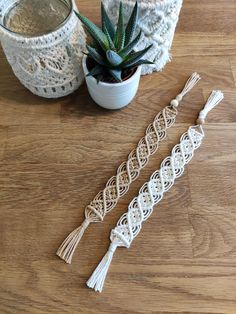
152	192
128	171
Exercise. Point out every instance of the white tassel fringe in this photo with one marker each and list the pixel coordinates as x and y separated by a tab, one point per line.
215	98
191	82
67	248
96	281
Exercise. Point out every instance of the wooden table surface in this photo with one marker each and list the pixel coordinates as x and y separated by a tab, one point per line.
55	155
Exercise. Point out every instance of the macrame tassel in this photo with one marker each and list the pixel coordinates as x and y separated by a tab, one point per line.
214	99
67	248
96	281
191	82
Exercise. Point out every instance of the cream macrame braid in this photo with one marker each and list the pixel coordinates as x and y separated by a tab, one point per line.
128	171
151	193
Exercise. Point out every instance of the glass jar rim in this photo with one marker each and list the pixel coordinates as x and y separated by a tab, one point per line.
71	9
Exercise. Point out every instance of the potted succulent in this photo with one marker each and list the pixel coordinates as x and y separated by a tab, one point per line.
111	66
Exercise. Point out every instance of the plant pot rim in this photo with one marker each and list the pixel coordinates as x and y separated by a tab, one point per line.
137	72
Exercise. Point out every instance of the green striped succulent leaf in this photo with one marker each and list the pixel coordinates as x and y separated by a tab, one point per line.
95	55
112	50
116	74
113	58
127	49
135	57
119	39
96	33
106	22
132	24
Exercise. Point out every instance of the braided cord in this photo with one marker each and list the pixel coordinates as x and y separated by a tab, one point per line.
128	171
151	193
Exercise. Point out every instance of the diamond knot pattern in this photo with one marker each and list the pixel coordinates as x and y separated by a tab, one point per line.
152	192
118	185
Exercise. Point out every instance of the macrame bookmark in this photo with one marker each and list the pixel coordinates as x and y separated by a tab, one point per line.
151	193
128	171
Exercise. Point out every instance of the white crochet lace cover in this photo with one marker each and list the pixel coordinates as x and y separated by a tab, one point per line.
151	193
157	20
49	65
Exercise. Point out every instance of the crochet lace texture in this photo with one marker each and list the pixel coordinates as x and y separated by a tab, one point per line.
151	193
49	65
157	20
128	171
141	207
119	184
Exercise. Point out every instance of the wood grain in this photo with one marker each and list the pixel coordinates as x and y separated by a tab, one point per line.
55	155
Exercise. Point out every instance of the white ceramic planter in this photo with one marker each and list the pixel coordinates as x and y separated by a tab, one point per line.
112	95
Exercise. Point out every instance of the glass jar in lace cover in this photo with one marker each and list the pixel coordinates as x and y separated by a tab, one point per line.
157	20
44	43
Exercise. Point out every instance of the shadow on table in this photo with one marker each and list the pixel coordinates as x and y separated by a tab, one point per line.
80	104
77	104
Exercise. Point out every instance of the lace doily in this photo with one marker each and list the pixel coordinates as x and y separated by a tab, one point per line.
49	65
152	192
118	185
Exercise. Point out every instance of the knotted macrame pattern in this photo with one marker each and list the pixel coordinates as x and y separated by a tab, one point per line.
119	184
172	167
128	171
151	193
141	207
